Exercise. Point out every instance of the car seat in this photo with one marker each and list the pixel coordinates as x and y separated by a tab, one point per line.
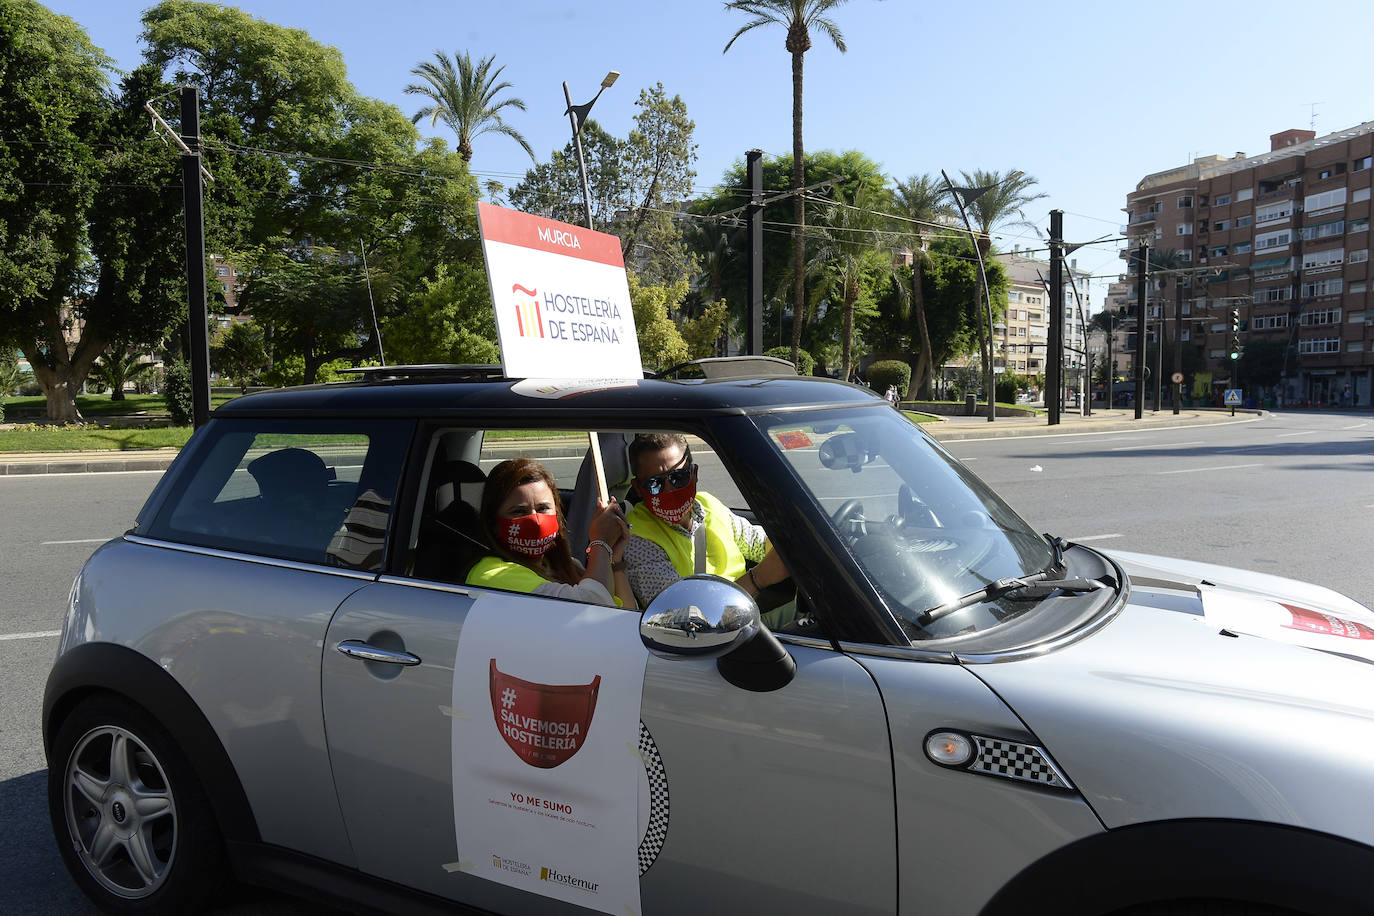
450	539
295	507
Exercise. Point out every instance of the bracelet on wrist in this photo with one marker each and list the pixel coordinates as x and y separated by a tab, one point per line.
754	582
600	543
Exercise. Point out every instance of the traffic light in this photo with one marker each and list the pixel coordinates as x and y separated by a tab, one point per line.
1234	352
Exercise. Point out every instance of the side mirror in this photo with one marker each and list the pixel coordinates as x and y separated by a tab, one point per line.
707	616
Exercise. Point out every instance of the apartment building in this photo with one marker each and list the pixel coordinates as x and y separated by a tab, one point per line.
1022	334
1283	238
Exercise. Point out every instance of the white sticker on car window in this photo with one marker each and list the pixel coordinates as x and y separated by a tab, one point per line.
545	798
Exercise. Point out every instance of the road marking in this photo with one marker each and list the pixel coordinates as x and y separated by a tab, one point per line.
1305	432
81	541
44	476
1224	467
1097	537
41	634
1126	448
962	439
1356	426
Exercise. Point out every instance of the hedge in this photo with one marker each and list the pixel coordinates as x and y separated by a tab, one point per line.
887	372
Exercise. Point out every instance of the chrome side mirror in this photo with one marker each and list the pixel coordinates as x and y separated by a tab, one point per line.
700	616
706	616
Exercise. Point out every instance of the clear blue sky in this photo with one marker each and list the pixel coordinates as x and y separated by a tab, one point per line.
1088	97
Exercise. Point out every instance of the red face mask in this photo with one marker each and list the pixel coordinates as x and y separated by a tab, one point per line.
528	535
673	506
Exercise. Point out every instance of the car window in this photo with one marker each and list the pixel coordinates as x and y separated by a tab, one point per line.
307	490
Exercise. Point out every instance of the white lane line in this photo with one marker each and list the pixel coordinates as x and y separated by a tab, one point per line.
1305	432
1127	448
1224	467
1097	537
1356	426
40	634
81	541
41	476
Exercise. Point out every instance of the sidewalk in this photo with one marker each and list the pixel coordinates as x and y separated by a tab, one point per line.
948	429
945	429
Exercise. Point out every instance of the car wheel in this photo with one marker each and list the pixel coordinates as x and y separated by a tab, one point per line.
132	822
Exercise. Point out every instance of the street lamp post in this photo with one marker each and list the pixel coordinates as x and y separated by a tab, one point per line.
963	197
577	114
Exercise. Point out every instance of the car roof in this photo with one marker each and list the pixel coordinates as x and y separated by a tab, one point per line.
439	393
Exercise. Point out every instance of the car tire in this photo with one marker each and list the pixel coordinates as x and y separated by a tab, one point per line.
132	822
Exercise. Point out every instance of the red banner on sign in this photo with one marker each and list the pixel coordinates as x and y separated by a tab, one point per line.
515	228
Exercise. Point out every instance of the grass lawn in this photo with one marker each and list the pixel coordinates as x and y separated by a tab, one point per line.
100	405
84	439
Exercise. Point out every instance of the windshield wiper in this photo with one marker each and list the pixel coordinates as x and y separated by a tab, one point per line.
999	587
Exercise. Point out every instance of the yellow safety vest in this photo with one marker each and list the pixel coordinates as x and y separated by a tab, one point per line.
723	556
494	572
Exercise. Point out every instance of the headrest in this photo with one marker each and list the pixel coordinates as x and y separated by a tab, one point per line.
280	473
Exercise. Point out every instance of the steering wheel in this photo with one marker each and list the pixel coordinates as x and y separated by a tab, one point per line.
850	510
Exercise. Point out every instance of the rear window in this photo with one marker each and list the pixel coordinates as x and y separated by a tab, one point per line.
313	491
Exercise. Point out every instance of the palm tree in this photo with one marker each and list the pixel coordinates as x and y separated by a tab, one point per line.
855	235
463	96
121	364
1003	204
797	17
921	203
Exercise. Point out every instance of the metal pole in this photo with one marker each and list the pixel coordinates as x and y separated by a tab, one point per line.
1159	361
754	333
581	164
197	322
982	273
1178	340
1055	361
1142	262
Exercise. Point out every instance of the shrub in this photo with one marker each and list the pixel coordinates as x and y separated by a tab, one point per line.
176	391
887	372
807	361
1008	384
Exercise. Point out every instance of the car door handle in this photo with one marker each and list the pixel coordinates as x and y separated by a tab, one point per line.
356	648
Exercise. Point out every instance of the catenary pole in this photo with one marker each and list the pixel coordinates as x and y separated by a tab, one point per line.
754	332
197	322
1054	378
1142	262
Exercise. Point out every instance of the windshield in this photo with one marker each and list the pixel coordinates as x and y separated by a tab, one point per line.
923	527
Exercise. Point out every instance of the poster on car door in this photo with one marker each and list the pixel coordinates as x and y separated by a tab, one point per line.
561	298
546	771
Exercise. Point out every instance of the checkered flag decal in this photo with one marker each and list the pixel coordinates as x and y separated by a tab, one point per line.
997	757
657	831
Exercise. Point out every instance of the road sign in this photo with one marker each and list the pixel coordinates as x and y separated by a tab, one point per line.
1177	378
1232	398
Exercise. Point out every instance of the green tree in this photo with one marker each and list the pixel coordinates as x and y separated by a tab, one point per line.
1003	204
920	204
855	239
724	246
240	353
797	17
118	366
553	189
464	96
452	321
660	154
52	105
660	343
703	333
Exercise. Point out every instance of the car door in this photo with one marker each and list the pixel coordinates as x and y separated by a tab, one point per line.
777	801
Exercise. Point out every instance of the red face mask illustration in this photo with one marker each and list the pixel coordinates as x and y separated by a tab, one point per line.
545	724
527	535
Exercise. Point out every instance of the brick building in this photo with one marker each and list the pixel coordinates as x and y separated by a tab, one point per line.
1281	237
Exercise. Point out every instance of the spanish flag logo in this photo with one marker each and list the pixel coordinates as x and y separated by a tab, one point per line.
528	319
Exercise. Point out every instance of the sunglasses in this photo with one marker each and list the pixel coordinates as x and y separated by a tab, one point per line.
675	479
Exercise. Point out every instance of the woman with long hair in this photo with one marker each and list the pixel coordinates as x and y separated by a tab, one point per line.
522	518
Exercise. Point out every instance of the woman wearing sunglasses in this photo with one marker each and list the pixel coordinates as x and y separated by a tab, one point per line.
672	516
522	517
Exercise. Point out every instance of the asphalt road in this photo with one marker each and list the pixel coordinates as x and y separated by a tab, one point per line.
1291	494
